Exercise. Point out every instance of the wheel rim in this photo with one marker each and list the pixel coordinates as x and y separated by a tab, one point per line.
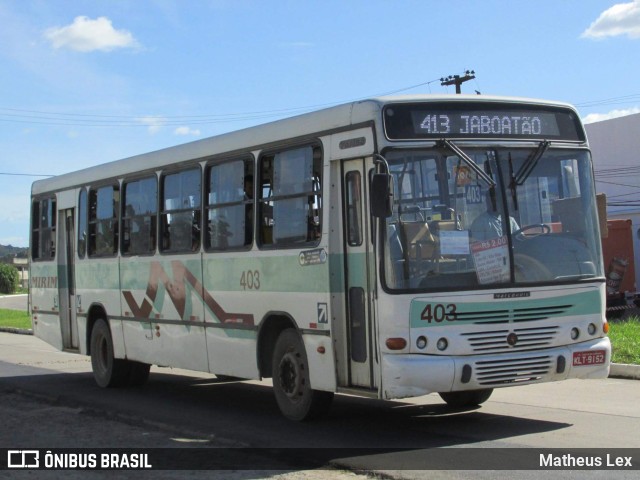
290	375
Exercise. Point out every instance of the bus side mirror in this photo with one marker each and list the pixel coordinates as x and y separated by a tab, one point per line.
380	195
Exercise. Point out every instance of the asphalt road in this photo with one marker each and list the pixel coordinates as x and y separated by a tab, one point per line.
14	302
179	408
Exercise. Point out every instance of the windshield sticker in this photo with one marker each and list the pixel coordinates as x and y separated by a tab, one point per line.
455	242
490	258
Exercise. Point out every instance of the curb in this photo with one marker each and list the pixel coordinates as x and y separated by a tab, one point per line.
617	370
623	370
20	331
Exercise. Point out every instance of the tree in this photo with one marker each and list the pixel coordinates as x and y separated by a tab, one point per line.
9	278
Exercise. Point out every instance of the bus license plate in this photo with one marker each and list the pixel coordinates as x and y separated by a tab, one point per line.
590	357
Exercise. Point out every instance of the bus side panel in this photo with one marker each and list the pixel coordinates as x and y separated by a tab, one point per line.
98	286
162	312
44	302
321	365
137	309
229	314
232	351
243	291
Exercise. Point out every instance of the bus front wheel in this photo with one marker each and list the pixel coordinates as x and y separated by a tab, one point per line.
107	370
468	398
291	385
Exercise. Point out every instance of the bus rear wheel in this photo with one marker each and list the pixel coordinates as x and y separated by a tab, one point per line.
468	398
107	370
291	384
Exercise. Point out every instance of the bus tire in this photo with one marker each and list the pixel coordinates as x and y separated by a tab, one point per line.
138	374
468	398
291	384
107	370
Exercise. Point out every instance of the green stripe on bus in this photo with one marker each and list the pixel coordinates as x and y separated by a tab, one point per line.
432	314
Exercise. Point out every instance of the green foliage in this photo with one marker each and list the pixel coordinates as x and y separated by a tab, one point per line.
625	340
9	278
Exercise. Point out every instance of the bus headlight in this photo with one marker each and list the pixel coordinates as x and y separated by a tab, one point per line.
591	329
575	333
421	342
442	344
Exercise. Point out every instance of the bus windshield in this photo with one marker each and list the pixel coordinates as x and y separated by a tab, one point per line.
481	218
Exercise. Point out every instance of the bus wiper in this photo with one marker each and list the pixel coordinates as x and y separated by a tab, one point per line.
444	143
512	185
530	163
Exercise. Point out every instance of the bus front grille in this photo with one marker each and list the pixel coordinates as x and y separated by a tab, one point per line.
505	316
512	371
502	340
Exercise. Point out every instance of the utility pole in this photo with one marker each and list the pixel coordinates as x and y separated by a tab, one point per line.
457	80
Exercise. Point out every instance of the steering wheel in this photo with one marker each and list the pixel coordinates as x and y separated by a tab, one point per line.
528	269
544	230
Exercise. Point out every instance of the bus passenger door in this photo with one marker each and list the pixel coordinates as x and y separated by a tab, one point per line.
358	274
66	281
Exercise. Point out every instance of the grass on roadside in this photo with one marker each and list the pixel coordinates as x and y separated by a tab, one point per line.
625	339
14	319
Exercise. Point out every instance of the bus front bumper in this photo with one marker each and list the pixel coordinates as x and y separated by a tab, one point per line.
412	375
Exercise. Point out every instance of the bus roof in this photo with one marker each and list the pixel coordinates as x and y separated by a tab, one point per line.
331	118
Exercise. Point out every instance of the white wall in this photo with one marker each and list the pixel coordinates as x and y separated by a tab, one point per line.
615	145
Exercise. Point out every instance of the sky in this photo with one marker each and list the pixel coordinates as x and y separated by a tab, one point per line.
84	82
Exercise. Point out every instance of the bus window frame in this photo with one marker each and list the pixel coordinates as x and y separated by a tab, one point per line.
162	211
156	214
116	187
83	216
249	162
38	229
261	200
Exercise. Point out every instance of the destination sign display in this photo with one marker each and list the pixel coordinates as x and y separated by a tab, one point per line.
486	120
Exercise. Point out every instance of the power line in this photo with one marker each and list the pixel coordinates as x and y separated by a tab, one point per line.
52	118
618	184
611	101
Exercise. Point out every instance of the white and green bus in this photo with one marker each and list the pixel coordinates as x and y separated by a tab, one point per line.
388	248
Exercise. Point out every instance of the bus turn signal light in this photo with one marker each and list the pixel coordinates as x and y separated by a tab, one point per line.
605	327
396	343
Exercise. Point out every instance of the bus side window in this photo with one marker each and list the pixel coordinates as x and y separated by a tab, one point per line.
290	203
180	216
43	221
82	223
103	220
140	200
229	205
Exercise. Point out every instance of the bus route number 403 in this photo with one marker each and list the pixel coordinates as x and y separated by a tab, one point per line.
438	313
250	280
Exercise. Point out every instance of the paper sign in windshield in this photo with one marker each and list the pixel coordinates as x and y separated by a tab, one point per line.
454	242
491	260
